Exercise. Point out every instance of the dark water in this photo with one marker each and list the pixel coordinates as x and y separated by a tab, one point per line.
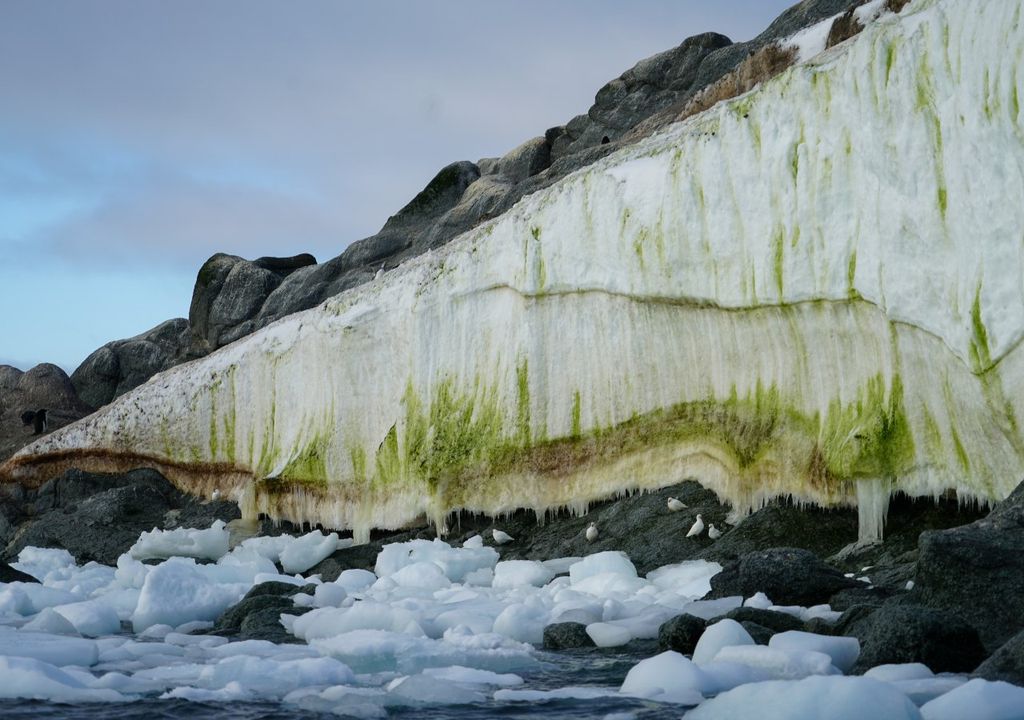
593	668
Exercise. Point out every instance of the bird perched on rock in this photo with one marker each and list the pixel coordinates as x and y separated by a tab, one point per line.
500	537
713	532
592	532
675	505
380	273
215	495
697	528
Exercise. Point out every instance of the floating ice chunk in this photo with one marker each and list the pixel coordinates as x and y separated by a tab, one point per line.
49	621
612	562
456	563
302	553
844	651
209	544
900	671
29	598
690	579
707	609
561	565
668	677
479	578
354	580
40	562
721	676
421	575
92	617
365	615
272	677
567	693
474	542
231	692
778	664
759	601
29	678
608	635
130	573
177	592
516	573
54	649
820	697
358	702
368	651
427	690
610	583
473	676
329	595
521	622
978	700
723	633
924	690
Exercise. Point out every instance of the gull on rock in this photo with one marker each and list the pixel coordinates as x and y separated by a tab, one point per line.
675	505
215	495
501	537
592	532
697	528
713	532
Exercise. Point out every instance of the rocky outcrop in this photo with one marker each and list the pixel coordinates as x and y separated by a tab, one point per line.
1006	663
45	387
977	571
123	365
257	616
914	634
566	636
98	517
789	576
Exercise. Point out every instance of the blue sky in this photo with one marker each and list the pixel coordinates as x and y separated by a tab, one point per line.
139	137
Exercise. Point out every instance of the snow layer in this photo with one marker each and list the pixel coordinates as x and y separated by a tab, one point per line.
811	290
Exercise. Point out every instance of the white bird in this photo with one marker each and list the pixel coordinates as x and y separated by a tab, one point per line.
713	532
675	505
592	532
500	537
215	495
381	271
697	528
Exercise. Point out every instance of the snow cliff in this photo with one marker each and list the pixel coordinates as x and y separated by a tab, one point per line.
814	290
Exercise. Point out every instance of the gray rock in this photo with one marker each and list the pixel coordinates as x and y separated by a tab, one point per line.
873	596
266	625
789	576
681	633
977	571
760	634
566	636
770	619
9	575
1006	663
45	386
230	621
912	633
123	365
357	557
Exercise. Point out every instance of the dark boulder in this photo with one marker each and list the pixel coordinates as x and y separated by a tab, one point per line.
357	557
1006	663
977	571
266	625
9	575
566	636
912	633
774	621
788	576
759	633
44	387
681	633
123	365
257	616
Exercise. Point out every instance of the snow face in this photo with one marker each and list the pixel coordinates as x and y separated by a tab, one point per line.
811	290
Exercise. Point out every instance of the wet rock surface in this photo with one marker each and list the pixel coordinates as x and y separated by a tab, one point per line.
257	616
789	576
98	516
912	633
1006	663
566	636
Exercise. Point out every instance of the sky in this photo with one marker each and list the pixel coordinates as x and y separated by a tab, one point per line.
139	137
